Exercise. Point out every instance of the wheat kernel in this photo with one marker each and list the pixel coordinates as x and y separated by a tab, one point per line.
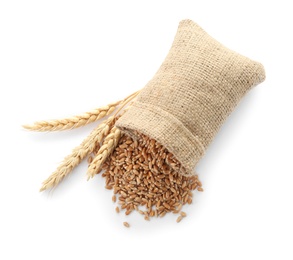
179	219
114	198
183	214
126	224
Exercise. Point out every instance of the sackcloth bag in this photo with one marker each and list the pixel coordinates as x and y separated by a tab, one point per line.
195	89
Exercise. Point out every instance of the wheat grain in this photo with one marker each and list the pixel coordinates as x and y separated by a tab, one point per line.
78	154
128	212
183	214
114	198
143	173
179	219
126	224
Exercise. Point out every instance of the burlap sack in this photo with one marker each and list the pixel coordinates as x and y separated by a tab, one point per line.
193	92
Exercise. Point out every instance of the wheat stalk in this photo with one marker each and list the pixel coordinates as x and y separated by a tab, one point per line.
78	120
85	148
78	154
106	149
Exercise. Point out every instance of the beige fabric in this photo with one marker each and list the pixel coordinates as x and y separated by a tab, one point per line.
193	92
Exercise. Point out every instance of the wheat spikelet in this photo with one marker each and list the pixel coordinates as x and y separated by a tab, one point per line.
110	141
78	154
106	149
75	121
79	120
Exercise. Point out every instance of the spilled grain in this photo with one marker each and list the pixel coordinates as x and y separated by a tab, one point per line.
126	224
145	178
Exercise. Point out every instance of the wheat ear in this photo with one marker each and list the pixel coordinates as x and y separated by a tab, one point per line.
106	149
78	154
78	120
110	141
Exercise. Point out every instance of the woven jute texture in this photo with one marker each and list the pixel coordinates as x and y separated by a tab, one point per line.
193	92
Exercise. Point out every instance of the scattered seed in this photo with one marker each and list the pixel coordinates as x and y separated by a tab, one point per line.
117	209
142	173
179	219
183	214
126	224
114	198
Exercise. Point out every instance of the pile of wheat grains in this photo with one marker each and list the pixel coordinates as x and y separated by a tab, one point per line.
145	177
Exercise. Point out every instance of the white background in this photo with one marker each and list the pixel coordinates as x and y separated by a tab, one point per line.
60	58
